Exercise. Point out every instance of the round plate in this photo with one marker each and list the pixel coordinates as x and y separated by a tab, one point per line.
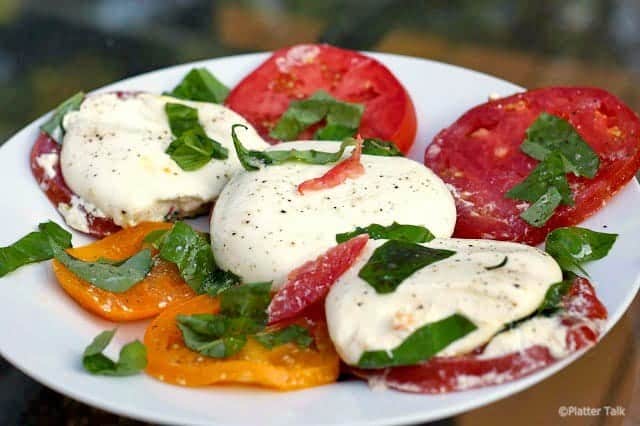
44	332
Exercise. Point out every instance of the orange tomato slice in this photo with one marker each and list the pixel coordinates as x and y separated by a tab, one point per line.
284	367
162	287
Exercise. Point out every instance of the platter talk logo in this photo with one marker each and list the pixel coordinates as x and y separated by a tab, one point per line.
587	411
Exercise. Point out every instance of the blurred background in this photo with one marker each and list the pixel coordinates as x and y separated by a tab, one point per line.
50	49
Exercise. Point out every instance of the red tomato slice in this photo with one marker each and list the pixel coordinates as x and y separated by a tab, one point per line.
297	72
349	168
446	374
310	283
56	188
479	156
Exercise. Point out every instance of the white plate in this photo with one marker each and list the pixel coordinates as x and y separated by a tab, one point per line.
43	332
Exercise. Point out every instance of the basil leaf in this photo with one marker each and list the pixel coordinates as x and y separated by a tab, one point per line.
394	261
553	297
34	247
182	118
109	275
254	160
421	345
155	238
342	118
132	359
200	85
219	281
548	173
499	265
538	213
247	300
53	127
190	252
395	231
573	246
379	147
553	134
192	151
291	334
192	148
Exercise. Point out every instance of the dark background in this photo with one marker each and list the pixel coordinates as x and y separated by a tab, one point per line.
52	49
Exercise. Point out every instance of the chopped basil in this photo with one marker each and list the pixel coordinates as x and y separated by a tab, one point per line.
499	265
379	147
109	275
546	187
573	246
541	211
191	251
561	150
34	247
132	359
553	134
394	261
553	297
550	304
254	160
421	345
192	148
342	118
53	127
200	85
395	231
242	315
291	334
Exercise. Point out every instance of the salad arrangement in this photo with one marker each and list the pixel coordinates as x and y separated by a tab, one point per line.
328	250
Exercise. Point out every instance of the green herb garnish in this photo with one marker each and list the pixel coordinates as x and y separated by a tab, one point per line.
561	150
395	231
499	265
34	247
243	314
53	127
394	261
192	148
421	345
342	118
109	275
132	359
381	148
550	134
200	85
573	246
254	160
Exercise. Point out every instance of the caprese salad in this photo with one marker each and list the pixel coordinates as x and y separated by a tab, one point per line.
328	250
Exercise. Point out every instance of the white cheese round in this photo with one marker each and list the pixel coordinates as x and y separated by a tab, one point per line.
360	319
113	156
262	228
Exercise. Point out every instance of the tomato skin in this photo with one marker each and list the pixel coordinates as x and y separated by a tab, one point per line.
284	367
57	189
582	311
297	72
309	284
479	156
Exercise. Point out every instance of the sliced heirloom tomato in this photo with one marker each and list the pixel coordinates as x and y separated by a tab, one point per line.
285	367
479	156
297	72
582	312
54	186
161	288
309	284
